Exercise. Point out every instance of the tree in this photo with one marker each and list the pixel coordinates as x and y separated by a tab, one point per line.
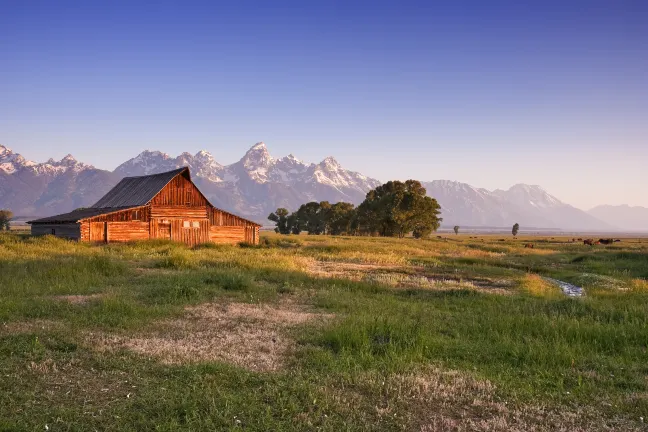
396	209
341	217
515	229
456	229
281	219
5	219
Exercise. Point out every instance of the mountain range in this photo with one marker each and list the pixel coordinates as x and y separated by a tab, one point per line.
258	184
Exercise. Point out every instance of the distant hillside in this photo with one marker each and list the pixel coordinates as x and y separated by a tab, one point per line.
530	206
625	217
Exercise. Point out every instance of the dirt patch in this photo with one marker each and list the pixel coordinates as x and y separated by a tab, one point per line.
252	336
354	271
33	326
78	299
439	400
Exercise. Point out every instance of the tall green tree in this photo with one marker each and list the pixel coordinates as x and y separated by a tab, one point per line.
281	220
516	229
341	217
456	229
312	217
5	219
397	209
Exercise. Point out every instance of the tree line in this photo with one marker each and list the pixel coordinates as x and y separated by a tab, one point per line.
394	209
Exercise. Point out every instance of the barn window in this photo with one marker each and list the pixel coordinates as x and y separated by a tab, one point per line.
186	224
195	224
136	214
188	197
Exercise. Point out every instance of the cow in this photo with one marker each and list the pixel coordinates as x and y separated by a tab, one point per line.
529	245
588	242
606	241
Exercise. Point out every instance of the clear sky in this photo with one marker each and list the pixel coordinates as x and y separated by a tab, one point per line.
490	93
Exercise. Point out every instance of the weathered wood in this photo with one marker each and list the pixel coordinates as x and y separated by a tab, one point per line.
227	234
199	212
126	231
98	232
132	214
180	192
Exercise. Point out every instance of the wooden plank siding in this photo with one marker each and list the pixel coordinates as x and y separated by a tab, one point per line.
221	218
179	192
171	212
227	234
127	231
97	232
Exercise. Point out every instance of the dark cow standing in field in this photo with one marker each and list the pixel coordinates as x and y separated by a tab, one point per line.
606	241
589	242
529	245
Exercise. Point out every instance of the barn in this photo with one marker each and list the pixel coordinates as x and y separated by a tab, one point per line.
159	206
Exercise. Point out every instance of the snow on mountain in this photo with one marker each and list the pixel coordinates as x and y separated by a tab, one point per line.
30	188
258	183
150	162
11	162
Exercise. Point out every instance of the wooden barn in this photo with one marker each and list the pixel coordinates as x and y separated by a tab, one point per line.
159	206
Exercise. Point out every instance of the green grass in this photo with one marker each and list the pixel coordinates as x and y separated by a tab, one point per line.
502	350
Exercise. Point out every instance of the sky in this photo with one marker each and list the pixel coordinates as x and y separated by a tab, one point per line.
488	93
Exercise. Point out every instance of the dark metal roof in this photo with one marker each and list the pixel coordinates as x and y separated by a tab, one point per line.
136	191
76	215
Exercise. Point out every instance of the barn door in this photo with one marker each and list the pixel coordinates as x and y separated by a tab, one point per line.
98	231
164	231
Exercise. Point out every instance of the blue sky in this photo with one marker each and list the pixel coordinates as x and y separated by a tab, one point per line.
489	93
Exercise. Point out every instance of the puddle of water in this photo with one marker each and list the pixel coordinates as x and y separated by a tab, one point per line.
568	289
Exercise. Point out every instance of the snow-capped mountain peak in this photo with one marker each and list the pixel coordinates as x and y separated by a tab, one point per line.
11	163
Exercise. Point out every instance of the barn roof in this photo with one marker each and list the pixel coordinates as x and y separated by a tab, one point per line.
76	215
137	191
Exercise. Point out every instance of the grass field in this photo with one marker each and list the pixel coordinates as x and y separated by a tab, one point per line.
323	333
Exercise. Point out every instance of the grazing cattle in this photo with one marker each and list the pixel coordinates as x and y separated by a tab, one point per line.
529	245
606	241
617	240
580	239
588	242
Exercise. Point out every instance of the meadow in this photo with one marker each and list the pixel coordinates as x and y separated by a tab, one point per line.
323	333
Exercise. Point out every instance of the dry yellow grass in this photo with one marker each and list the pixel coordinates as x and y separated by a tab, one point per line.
250	336
537	286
